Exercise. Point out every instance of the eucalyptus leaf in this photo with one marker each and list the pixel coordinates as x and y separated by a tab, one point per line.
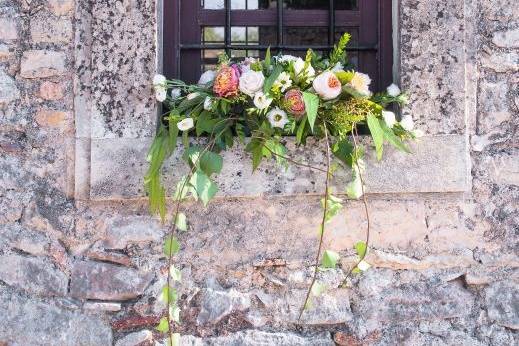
393	139
211	163
171	292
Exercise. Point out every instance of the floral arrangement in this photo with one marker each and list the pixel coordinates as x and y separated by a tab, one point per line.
258	102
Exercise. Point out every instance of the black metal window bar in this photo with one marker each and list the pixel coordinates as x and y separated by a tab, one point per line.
375	36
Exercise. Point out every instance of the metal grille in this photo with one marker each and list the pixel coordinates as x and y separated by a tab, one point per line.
185	21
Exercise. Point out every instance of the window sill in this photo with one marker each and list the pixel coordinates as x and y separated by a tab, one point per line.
437	165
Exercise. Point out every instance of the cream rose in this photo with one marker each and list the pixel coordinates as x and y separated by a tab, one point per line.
327	85
360	82
251	82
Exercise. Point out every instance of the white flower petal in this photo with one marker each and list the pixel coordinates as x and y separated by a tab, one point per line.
407	122
261	101
159	79
393	90
389	118
277	117
161	94
208	103
185	124
251	82
206	77
327	85
418	133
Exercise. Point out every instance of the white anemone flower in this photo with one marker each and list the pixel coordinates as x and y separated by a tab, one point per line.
262	101
185	124
407	122
161	94
360	82
208	103
277	117
393	90
389	118
283	82
206	77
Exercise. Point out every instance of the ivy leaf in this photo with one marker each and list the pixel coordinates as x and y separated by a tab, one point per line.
171	245
330	259
393	139
272	78
203	185
311	106
163	325
175	273
376	133
361	249
211	163
318	288
181	222
334	205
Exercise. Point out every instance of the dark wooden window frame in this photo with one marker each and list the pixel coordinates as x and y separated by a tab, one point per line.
182	33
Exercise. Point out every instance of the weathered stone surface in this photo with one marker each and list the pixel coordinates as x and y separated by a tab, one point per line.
8	89
434	166
123	231
44	30
501	61
493	106
100	255
27	321
103	281
52	118
417	302
259	338
5	52
8	30
330	308
218	304
98	306
61	7
503	168
42	63
502	300
506	38
34	275
51	91
135	339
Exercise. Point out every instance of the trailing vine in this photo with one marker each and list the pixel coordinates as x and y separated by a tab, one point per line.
258	102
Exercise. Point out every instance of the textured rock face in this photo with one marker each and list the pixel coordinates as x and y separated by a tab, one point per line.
80	258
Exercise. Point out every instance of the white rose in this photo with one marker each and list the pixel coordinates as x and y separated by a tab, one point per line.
185	124
277	118
208	103
175	93
327	86
159	80
407	122
161	94
360	82
251	82
393	90
389	118
299	69
261	101
206	77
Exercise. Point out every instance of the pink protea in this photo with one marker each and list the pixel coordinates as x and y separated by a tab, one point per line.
294	103
227	81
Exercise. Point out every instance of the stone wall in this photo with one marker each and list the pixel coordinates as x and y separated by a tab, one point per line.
80	256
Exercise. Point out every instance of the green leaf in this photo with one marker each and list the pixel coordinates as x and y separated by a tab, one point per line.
171	246
175	273
204	187
311	106
343	150
211	163
318	288
300	130
204	123
354	188
393	139
181	222
267	61
333	206
361	249
273	146
174	313
163	325
330	259
171	292
272	78
376	133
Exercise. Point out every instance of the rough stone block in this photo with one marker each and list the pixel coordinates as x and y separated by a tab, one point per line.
136	339
8	31
52	118
5	52
45	30
503	168
34	275
501	61
27	321
101	307
42	64
502	300
124	231
218	304
51	91
8	89
493	108
506	38
437	164
103	281
61	7
255	337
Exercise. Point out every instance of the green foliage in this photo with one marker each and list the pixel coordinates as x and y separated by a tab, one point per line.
393	139
171	245
330	259
333	206
311	106
181	222
163	325
343	150
345	76
318	288
175	273
339	50
204	186
272	78
361	249
376	133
